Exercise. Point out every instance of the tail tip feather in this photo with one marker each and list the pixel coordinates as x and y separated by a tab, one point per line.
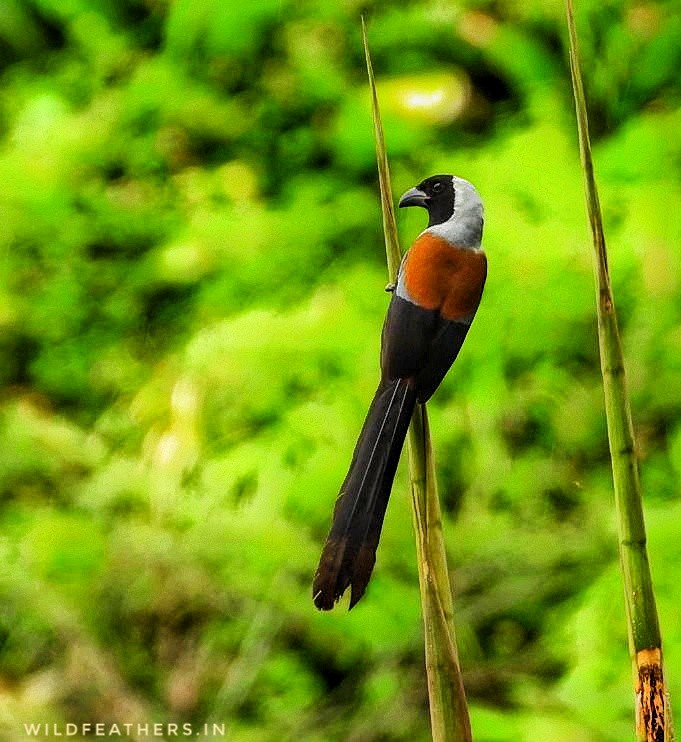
333	577
329	582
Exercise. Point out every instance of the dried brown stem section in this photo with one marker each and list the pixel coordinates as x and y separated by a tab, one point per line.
651	696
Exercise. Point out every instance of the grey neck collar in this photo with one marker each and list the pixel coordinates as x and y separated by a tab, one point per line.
464	226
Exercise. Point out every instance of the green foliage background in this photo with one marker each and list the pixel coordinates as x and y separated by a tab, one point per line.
191	294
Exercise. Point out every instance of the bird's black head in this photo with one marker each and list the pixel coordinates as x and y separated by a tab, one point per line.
436	194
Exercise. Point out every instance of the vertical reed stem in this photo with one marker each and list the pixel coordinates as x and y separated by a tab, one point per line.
448	709
652	712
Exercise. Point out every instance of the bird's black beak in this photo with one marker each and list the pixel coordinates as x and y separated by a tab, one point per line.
414	197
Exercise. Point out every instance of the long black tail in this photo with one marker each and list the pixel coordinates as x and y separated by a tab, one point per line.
350	551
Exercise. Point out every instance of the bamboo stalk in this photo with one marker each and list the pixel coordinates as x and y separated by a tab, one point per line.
448	710
653	714
392	242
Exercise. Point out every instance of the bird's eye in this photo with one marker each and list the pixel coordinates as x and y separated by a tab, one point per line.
437	187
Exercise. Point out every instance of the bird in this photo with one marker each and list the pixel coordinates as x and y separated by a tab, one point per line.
434	300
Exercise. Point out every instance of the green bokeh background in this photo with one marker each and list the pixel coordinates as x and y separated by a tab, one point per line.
191	296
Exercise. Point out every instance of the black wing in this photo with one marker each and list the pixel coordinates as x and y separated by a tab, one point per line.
420	344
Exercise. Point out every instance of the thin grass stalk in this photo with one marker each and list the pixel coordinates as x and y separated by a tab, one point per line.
653	719
448	709
393	253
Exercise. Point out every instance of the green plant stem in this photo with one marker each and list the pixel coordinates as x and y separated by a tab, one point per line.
393	253
643	626
448	710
